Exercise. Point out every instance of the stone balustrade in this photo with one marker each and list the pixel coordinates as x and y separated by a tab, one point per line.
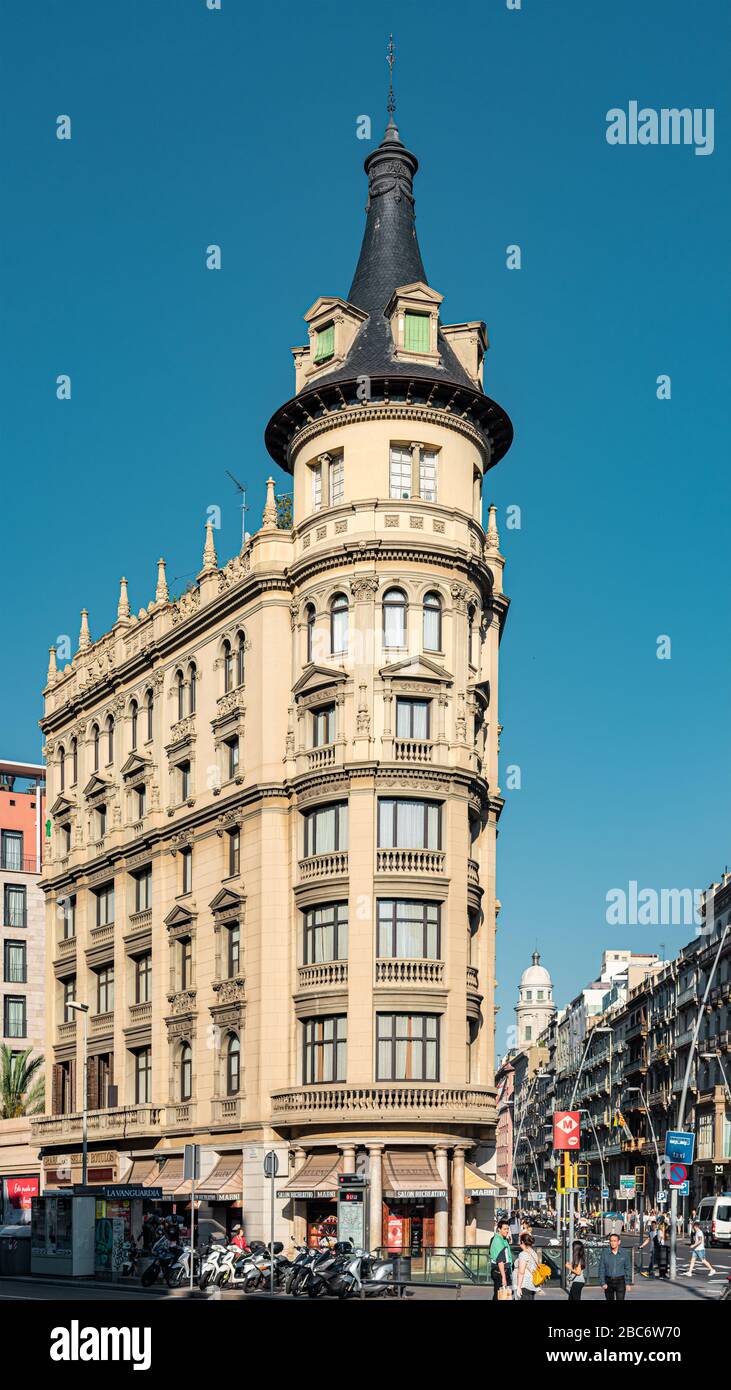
413	750
393	971
410	861
123	1120
323	973
102	1023
319	866
387	1101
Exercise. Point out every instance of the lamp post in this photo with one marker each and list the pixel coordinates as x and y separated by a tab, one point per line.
716	1057
600	1151
643	1098
83	1009
540	1075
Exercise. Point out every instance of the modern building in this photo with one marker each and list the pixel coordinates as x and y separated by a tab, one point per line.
22	925
535	1002
274	802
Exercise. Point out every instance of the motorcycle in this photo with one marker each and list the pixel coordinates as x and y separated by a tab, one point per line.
180	1273
130	1258
235	1264
161	1264
212	1263
362	1272
320	1274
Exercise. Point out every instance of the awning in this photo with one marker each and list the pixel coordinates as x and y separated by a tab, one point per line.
412	1173
169	1175
141	1170
223	1183
477	1184
318	1177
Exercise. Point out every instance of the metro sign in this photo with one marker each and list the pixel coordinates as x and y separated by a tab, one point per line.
566	1129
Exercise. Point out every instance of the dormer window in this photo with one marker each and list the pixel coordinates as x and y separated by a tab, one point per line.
325	343
413	312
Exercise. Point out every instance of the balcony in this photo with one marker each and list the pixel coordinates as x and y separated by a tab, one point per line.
66	1032
101	934
410	861
122	1122
140	1014
406	1100
319	866
66	948
102	1023
318	758
226	1111
18	864
401	971
323	974
180	1115
139	921
412	750
473	873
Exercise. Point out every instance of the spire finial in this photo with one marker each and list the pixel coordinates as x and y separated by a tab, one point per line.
269	518
493	539
161	592
210	558
123	604
84	634
390	59
52	667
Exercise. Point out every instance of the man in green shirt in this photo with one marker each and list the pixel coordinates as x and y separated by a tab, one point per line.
501	1257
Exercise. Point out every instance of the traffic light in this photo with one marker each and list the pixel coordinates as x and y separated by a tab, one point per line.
582	1174
639	1180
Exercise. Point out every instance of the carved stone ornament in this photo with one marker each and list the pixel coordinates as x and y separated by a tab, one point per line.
364	587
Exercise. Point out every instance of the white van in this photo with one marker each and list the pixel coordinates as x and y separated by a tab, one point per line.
714	1215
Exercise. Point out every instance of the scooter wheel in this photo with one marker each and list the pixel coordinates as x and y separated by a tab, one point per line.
148	1278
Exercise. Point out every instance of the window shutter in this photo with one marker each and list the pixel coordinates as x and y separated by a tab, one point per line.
325	343
416	332
56	1088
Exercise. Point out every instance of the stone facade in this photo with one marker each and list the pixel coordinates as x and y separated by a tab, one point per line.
307	737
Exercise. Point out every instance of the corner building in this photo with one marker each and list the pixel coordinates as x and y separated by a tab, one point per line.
275	802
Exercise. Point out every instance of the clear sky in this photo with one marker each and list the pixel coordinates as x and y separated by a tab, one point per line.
238	127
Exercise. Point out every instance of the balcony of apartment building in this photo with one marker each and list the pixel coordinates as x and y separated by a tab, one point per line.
687	995
127	1122
390	1102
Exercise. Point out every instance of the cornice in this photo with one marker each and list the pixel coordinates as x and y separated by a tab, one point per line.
365	414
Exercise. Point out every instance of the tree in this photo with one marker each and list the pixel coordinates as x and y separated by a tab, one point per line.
22	1090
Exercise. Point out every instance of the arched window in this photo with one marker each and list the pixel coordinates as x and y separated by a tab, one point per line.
149	703
192	678
186	1071
133	713
110	739
432	637
228	666
74	762
310	619
240	647
61	768
180	683
95	744
233	1065
339	624
394	618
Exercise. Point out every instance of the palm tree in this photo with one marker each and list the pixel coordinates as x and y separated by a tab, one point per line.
22	1091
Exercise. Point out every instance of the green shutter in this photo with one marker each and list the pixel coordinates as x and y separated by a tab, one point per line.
416	332
325	343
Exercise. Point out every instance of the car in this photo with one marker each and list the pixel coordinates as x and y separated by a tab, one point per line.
714	1216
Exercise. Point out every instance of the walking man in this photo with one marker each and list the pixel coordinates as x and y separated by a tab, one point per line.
698	1250
615	1271
649	1273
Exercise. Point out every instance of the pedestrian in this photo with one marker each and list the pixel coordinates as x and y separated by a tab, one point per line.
526	1266
649	1273
615	1271
662	1249
576	1267
501	1261
698	1251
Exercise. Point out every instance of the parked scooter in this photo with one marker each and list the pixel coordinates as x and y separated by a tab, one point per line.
235	1264
161	1264
363	1273
180	1273
212	1261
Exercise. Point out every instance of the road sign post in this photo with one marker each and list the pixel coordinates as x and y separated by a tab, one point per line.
192	1171
271	1168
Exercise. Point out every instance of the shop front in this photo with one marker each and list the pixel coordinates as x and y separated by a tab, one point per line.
219	1201
312	1197
412	1190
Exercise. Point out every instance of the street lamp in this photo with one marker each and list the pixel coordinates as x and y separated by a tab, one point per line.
540	1075
643	1098
600	1150
83	1009
716	1057
589	1041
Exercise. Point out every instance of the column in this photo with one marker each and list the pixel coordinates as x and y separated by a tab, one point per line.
458	1197
415	470
348	1152
441	1205
375	1155
299	1231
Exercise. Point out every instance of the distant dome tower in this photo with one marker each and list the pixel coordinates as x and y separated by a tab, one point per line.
535	1002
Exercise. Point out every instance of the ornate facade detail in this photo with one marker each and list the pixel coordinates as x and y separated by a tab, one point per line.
185	606
364	587
229	992
236	570
460	597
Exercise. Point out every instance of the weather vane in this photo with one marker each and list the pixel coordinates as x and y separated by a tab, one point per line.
391	105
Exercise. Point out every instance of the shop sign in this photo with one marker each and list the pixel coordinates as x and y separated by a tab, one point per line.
410	1194
480	1192
126	1191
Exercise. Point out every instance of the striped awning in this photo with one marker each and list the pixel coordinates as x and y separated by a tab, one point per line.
223	1183
318	1177
141	1172
412	1173
169	1175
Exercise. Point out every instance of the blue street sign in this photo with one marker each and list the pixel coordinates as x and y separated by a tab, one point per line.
605	1192
679	1146
684	1189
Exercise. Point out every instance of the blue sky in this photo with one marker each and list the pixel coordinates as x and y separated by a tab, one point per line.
238	127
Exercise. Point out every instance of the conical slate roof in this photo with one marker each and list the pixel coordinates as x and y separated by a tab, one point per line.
389	257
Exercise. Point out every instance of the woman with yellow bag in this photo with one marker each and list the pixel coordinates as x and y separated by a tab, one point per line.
530	1271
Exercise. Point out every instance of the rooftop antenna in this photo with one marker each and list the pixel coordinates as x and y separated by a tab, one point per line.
244	507
390	59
